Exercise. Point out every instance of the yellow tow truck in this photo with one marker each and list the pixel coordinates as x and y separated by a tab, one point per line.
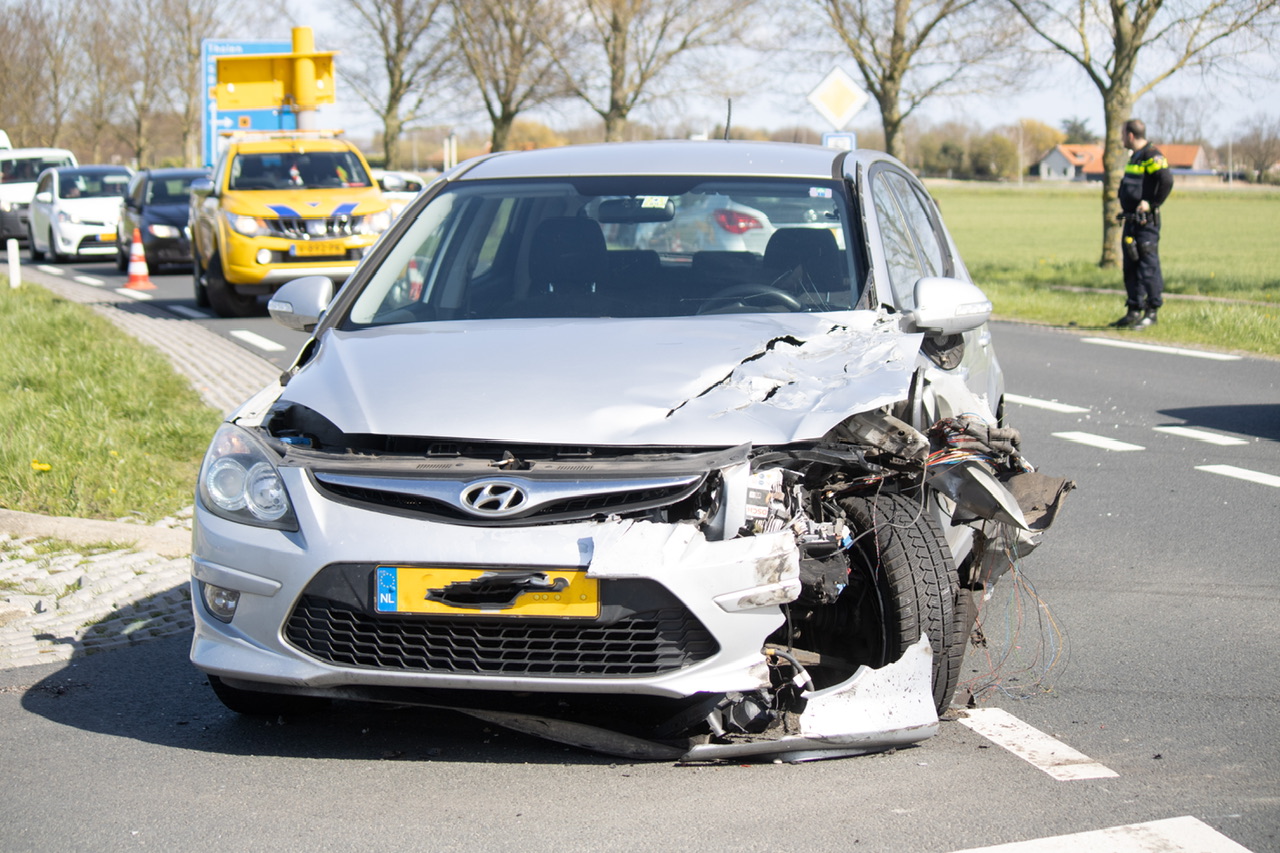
281	205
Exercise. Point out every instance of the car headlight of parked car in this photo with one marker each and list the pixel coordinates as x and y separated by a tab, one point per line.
68	217
165	232
239	481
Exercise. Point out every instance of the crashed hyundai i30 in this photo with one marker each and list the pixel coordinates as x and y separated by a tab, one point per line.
660	499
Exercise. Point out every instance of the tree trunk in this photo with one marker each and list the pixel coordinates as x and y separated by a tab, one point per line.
1117	104
391	130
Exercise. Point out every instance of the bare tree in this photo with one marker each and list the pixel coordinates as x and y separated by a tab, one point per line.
400	55
511	49
629	46
99	109
1259	145
908	51
52	29
1178	118
1107	40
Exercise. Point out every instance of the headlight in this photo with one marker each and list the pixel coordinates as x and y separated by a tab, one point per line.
68	217
4	206
165	232
376	223
249	226
239	481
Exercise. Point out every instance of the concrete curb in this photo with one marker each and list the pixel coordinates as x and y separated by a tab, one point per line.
163	541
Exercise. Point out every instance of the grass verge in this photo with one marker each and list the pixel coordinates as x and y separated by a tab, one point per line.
96	424
1026	245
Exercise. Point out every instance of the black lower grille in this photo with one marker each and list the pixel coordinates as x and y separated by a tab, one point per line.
638	644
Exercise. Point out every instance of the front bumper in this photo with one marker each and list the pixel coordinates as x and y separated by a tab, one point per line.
71	238
289	259
721	601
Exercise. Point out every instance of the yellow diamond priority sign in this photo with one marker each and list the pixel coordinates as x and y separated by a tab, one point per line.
838	98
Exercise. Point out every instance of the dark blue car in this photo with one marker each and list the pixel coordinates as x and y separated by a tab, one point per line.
157	205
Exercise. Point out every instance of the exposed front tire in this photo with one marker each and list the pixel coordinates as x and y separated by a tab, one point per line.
902	582
253	703
122	256
223	297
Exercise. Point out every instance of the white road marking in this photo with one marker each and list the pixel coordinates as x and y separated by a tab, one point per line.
1194	353
1202	435
1242	474
1051	405
140	295
51	270
90	280
1034	746
1098	441
253	340
193	313
1172	835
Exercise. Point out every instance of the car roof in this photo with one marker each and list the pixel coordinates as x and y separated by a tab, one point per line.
174	172
102	168
671	157
279	144
10	153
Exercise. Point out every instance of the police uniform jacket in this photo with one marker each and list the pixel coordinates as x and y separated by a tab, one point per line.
1146	177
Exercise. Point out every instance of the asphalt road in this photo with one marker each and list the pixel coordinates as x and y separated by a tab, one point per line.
1155	598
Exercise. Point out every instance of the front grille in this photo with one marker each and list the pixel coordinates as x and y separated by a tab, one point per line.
315	229
638	644
568	509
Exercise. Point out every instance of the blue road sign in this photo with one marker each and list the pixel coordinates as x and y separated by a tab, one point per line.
213	121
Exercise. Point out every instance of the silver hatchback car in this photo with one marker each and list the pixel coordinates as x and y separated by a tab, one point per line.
702	505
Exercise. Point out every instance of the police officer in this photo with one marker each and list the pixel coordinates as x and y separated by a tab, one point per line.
1146	184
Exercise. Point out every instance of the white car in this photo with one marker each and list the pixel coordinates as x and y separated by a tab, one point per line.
19	169
710	507
75	211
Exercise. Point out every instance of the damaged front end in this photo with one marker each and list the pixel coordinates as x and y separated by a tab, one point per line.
852	560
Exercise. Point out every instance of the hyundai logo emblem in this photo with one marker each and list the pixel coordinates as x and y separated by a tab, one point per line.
494	498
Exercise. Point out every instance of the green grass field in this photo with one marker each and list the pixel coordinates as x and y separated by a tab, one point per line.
1027	246
96	424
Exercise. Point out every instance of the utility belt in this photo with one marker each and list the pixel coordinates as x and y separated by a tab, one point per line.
1140	217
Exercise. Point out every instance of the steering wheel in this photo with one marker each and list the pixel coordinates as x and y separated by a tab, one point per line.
739	295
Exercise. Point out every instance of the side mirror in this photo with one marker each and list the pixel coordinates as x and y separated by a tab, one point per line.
202	187
948	306
44	197
299	304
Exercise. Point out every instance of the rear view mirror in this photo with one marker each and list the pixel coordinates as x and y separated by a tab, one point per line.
948	306
298	304
640	209
201	186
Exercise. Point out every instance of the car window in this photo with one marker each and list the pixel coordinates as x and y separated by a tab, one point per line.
25	170
46	183
138	188
618	247
169	190
904	268
921	223
293	170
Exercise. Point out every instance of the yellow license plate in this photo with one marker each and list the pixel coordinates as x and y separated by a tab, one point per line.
108	238
325	247
486	592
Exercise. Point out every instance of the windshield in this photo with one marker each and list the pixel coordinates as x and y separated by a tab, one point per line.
25	170
618	247
296	170
174	190
76	184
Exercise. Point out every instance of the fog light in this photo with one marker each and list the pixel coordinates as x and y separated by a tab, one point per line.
221	603
263	256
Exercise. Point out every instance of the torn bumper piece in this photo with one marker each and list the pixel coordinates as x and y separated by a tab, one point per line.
874	710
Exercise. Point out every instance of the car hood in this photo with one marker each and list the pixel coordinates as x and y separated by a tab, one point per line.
709	381
167	214
105	209
305	203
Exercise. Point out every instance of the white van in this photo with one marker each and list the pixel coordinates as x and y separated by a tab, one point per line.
19	168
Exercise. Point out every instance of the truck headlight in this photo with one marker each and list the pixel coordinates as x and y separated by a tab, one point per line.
249	226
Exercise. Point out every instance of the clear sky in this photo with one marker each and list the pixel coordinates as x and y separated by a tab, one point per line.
1059	93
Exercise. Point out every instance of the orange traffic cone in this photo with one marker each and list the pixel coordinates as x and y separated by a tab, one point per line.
139	278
